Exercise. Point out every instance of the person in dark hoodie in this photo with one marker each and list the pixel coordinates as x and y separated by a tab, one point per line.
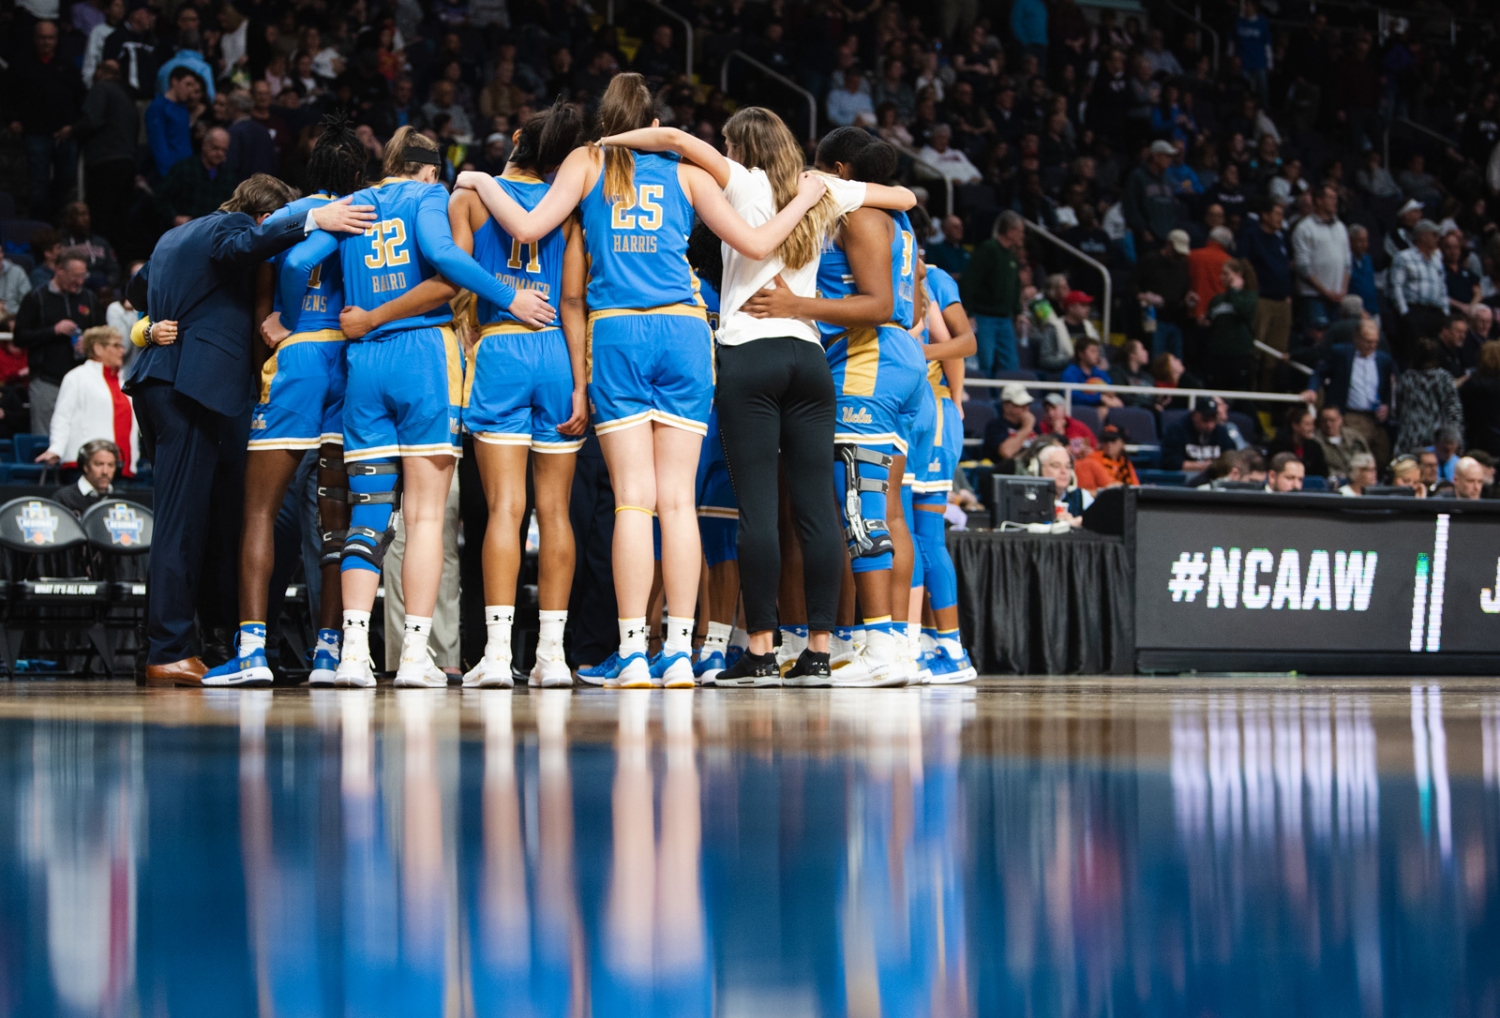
1230	348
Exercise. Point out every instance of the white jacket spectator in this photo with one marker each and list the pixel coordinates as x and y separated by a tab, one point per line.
90	404
1320	250
950	162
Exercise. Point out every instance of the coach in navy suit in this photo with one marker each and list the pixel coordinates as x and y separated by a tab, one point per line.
193	392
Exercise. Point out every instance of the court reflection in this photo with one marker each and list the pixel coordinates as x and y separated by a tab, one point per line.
924	852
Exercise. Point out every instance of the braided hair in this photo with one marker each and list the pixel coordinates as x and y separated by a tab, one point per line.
337	162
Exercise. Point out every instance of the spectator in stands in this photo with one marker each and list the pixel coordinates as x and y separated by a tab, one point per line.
1132	367
1463	285
1339	446
108	130
1157	57
1468	479
1428	399
51	319
1459	350
46	248
1320	245
1107	466
1445	448
199	184
121	316
98	461
79	237
1418	289
655	61
14	286
441	102
396	111
1150	203
1263	246
251	147
1196	439
169	119
1406	472
1088	366
850	105
133	47
1230	349
1362	474
90	404
1427	461
1480	397
1011	433
1164	291
892	88
991	291
1078	437
1362	270
949	253
1482	325
951	162
44	95
1055	462
1287	473
1298	436
1360	380
1206	271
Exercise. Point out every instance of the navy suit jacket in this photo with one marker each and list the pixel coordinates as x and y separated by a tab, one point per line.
200	276
1335	370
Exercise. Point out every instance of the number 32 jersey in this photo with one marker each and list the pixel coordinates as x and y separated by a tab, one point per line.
386	261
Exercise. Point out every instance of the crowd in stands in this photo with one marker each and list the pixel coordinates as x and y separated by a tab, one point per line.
1255	235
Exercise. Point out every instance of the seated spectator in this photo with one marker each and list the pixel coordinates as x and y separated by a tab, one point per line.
98	461
1078	436
1375	180
1360	380
1013	431
850	105
1427	462
1339	446
1406	472
1196	440
1063	340
949	254
14	286
1241	465
950	162
1482	325
1418	184
198	184
1480	399
1054	461
1428	399
90	404
441	101
1298	436
1132	368
1287	473
1459	350
1445	448
1468	479
1362	474
1107	466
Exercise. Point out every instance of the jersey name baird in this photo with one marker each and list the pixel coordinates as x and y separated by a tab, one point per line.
388	282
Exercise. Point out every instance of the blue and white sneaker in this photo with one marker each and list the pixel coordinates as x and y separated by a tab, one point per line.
947	670
325	663
674	671
615	672
709	666
250	670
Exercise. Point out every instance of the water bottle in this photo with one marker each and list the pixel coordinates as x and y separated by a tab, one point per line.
1148	322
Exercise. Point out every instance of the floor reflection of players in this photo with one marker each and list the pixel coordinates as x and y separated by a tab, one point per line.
654	955
78	824
527	961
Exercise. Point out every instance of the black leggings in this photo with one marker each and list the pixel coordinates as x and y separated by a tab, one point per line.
775	397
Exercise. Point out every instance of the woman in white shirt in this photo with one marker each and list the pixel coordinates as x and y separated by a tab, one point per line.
90	404
775	391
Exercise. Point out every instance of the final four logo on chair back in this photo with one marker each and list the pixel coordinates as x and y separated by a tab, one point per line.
38	523
124	524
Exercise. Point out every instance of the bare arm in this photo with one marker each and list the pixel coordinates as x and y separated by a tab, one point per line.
670	139
426	295
881	196
867	241
758	242
574	323
948	351
562	198
466	214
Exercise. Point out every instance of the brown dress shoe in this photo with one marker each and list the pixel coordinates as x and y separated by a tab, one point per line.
187	672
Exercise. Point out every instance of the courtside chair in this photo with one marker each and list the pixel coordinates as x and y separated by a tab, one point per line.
49	596
119	534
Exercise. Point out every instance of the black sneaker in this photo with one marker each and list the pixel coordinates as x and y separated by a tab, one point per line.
750	670
810	670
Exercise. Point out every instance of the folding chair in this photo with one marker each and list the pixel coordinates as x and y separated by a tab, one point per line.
49	594
119	536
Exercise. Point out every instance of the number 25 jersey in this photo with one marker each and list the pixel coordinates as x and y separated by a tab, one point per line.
638	254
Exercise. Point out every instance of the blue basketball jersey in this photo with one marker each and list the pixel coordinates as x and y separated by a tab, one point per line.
941	287
903	271
323	298
835	282
638	253
385	261
711	302
520	266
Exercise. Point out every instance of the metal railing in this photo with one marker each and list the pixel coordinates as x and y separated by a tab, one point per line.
1193	395
687	29
1044	233
1183	12
939	174
771	72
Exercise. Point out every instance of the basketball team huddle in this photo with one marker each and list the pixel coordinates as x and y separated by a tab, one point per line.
760	349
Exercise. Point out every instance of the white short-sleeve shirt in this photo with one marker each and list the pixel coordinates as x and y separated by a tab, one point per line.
749	191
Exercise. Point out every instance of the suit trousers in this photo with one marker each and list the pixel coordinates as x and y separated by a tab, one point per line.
199	474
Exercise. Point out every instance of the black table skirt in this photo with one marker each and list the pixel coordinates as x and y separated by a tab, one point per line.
1045	604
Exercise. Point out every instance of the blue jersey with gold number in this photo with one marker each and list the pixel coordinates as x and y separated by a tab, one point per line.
386	261
521	266
323	297
903	271
638	253
943	289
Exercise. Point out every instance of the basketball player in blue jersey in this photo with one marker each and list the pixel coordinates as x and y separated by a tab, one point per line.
949	341
401	403
865	287
650	355
524	393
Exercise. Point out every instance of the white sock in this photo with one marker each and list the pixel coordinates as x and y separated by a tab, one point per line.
549	641
497	622
792	644
252	638
679	636
739	638
356	635
717	638
914	638
328	640
632	637
414	641
839	645
952	642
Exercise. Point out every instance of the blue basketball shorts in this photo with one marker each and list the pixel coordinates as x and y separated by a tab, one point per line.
519	389
403	396
302	393
655	365
876	375
922	438
718	509
934	483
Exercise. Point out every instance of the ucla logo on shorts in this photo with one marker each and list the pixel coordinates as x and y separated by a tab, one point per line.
38	524
258	423
124	525
858	415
